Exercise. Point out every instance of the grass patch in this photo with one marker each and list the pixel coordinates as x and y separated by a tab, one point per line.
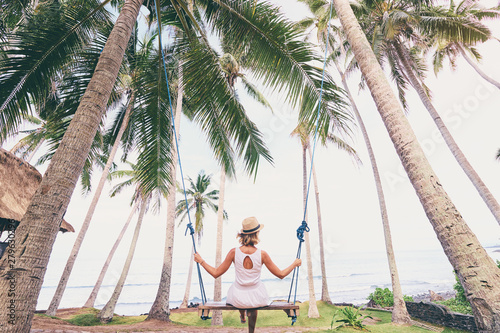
265	318
43	315
88	317
279	318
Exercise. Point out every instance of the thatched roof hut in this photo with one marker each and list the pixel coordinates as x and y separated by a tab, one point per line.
18	182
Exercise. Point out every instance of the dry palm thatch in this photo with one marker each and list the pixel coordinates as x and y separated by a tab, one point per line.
18	182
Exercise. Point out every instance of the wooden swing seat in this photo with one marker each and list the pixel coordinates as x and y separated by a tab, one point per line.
289	308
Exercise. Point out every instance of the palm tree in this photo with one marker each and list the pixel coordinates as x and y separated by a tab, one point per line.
338	51
138	61
93	294
160	308
142	196
217	315
473	13
199	198
39	225
304	140
459	242
302	131
107	312
393	25
400	313
313	308
142	199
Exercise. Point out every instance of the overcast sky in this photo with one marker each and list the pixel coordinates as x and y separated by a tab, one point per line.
351	217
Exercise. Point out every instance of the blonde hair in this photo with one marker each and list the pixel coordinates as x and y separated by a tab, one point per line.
248	239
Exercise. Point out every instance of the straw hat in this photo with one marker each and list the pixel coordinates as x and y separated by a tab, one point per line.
250	225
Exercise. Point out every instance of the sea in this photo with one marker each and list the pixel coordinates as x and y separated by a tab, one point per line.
352	276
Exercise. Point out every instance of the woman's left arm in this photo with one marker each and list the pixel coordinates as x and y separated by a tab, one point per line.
216	272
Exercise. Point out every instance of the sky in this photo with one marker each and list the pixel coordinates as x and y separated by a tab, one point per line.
349	203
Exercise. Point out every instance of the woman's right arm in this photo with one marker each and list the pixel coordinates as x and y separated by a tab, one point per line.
216	272
271	266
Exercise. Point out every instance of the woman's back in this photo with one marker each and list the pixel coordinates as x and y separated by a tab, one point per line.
247	291
247	265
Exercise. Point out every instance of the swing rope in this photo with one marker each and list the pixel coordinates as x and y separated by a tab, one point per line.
303	226
189	227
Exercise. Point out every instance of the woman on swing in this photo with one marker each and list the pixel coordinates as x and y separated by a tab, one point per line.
247	292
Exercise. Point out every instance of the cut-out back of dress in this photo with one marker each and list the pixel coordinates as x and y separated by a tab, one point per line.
247	263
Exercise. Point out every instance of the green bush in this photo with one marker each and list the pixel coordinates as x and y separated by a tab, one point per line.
457	306
385	297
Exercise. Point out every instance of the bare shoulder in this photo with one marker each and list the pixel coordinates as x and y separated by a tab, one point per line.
230	255
264	255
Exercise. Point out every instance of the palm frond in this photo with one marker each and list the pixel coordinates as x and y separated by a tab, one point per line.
38	49
254	92
218	110
153	123
274	50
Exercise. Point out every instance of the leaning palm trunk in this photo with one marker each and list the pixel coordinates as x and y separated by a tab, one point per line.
93	295
106	314
31	153
477	69
37	231
187	291
484	192
16	147
35	150
325	295
160	308
476	270
399	313
217	315
313	308
61	287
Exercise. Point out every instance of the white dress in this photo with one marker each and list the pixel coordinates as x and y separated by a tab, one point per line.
247	291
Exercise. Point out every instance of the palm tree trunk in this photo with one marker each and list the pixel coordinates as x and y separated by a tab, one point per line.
30	157
325	295
93	295
106	314
63	281
476	270
37	231
16	147
477	69
217	315
185	300
313	308
400	313
160	309
484	192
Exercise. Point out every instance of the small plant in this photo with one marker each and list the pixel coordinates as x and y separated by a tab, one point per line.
385	297
352	317
457	306
460	302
